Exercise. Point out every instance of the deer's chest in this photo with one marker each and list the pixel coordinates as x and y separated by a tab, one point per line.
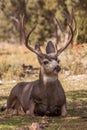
47	94
49	99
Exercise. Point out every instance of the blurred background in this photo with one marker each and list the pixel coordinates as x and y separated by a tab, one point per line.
14	56
42	11
17	63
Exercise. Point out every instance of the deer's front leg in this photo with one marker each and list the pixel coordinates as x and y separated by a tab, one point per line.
30	111
63	110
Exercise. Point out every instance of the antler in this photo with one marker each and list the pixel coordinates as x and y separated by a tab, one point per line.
71	31
68	42
70	18
57	38
37	50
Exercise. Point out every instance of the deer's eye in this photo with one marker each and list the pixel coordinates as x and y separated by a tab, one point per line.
46	62
58	61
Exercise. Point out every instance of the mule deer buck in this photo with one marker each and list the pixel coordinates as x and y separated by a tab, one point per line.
44	96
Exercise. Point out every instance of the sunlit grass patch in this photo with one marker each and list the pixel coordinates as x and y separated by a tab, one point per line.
13	122
11	60
12	57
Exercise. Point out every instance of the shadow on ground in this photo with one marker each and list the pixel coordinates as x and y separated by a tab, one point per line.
75	120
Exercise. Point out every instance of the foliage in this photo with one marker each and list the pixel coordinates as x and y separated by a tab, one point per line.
43	12
82	28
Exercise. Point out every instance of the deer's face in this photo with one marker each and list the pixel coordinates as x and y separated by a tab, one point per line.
50	66
50	62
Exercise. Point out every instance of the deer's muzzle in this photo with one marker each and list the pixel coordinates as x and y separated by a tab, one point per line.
57	68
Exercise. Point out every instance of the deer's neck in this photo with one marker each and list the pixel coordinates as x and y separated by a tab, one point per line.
47	79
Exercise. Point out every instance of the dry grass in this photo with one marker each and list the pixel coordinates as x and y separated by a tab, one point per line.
12	57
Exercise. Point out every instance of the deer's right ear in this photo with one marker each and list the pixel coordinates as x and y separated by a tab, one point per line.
50	47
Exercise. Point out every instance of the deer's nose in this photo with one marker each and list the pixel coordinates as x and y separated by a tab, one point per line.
57	68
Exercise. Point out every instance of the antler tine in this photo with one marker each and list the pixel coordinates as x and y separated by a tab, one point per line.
60	24
57	35
61	27
26	37
38	50
70	19
69	41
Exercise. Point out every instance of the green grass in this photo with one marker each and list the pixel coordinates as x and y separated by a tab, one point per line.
13	122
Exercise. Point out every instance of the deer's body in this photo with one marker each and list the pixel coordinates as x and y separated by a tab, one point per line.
39	97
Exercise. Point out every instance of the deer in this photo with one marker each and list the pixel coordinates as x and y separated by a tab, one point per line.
46	95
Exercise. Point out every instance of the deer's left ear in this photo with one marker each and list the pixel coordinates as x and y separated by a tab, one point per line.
50	47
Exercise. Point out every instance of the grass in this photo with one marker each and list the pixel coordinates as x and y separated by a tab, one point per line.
12	57
76	106
11	60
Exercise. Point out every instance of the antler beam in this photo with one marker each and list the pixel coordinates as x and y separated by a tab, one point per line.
71	31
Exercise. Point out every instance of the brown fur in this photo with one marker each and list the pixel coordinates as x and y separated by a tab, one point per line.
44	96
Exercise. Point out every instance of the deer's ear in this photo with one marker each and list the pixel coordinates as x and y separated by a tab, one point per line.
50	47
37	47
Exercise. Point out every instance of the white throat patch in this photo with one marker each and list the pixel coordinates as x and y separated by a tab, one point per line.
49	78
